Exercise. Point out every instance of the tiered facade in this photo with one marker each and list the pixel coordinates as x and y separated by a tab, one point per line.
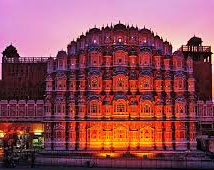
120	88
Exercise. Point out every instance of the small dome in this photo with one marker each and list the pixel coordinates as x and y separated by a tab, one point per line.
107	100
133	75
157	37
107	28
195	41
166	43
10	52
120	96
132	28
61	53
73	42
180	99
120	27
94	30
158	76
147	96
146	73
145	30
82	36
107	76
93	97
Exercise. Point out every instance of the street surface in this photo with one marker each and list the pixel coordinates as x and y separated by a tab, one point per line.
62	168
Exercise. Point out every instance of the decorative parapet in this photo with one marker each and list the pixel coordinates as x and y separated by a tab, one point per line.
21	110
205	111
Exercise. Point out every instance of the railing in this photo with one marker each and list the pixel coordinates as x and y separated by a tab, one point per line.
26	60
186	48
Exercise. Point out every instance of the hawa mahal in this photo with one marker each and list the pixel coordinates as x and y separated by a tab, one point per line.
120	88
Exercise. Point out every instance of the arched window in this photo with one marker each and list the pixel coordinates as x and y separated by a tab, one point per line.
4	110
191	84
60	64
189	64
120	137
95	58
120	107
146	109
146	83
120	83
72	110
58	107
179	83
94	83
147	135
180	109
13	110
120	57
59	133
94	107
145	59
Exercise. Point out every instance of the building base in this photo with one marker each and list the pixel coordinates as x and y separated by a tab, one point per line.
155	159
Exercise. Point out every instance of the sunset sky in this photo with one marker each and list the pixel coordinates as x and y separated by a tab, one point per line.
42	27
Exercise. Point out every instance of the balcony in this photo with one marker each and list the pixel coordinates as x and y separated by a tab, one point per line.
202	49
26	60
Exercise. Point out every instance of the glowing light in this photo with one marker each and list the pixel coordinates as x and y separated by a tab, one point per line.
20	132
108	155
2	134
37	133
144	155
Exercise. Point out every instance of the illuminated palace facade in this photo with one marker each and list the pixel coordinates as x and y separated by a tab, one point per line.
120	88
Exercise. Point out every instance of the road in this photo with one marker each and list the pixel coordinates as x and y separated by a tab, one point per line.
62	168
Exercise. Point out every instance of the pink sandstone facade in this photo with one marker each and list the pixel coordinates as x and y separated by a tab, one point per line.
120	89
